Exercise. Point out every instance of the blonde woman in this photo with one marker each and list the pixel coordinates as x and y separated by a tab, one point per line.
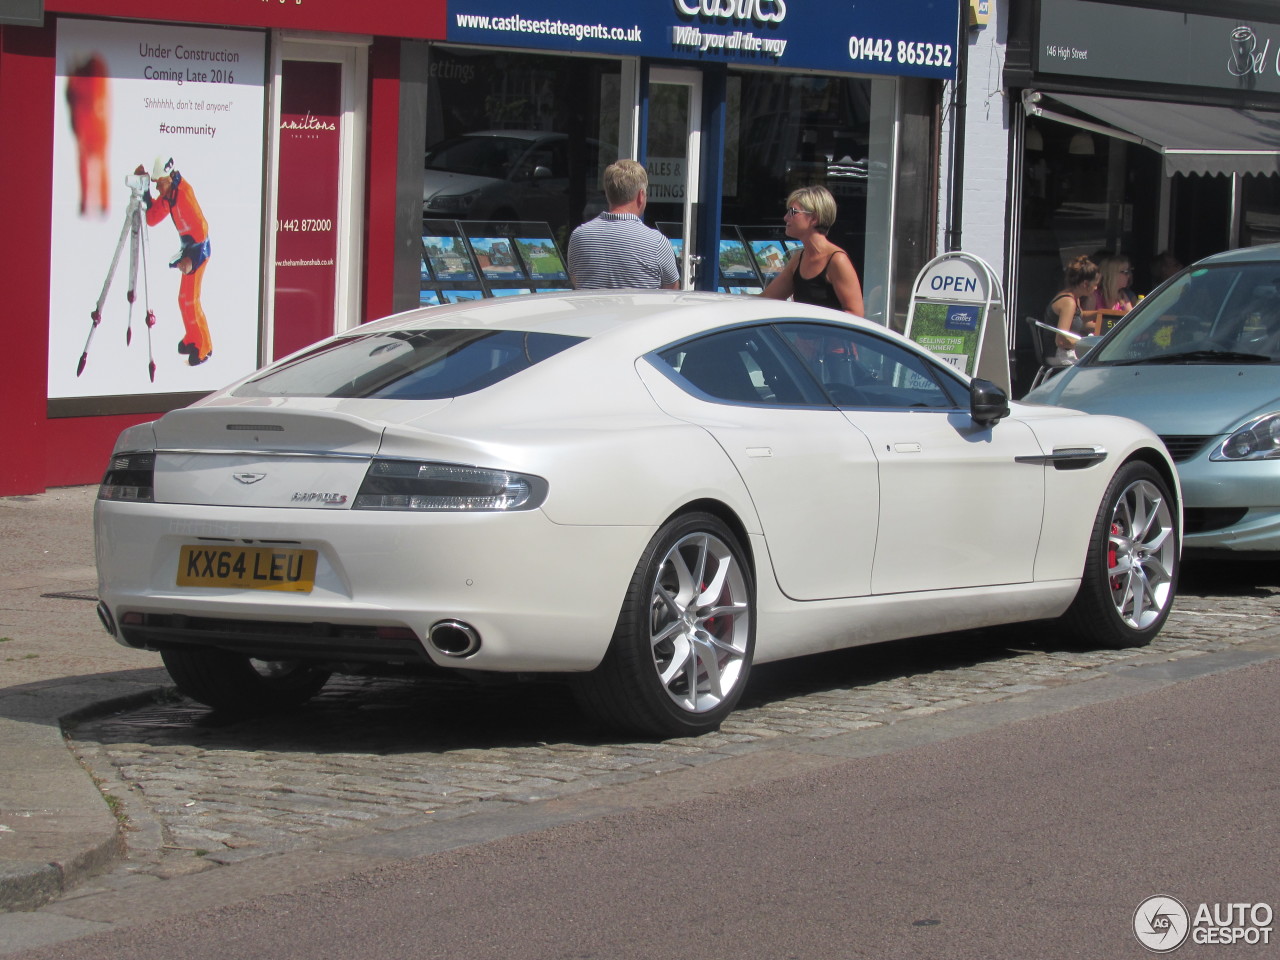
821	273
1115	285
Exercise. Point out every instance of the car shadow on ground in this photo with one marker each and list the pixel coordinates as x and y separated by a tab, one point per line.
437	715
396	716
1209	576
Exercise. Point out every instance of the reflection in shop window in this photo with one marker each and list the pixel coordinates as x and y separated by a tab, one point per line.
513	136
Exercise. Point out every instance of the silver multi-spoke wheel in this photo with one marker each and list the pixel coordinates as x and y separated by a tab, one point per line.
681	652
700	622
1142	554
1131	571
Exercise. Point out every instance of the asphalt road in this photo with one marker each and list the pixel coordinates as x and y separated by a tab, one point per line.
1028	838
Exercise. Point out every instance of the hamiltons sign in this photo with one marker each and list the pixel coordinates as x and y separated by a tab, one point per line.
1089	39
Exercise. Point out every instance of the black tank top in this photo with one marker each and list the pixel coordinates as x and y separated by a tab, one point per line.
816	290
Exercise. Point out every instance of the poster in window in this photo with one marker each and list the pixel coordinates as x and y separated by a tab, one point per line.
543	258
497	258
772	255
447	258
736	263
156	208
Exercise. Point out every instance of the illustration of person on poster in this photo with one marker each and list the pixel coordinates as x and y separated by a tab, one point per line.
88	101
195	97
176	198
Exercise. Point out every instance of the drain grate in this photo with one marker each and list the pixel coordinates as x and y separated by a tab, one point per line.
163	718
72	595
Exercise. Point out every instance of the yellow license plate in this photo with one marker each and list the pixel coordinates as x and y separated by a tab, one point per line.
251	568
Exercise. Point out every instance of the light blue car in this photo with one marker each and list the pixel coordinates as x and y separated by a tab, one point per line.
1198	362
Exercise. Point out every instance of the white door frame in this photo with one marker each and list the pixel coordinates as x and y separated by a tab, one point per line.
692	79
352	52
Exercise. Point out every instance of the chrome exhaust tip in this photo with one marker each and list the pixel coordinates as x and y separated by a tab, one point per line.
454	638
108	621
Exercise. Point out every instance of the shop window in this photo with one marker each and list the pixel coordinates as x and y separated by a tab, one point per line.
519	137
786	131
1261	214
1083	194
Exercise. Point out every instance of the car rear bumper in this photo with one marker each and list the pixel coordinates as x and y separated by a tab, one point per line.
541	596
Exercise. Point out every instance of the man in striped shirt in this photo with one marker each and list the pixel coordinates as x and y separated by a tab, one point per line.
616	250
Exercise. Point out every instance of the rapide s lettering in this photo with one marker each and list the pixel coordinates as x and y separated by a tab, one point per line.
760	11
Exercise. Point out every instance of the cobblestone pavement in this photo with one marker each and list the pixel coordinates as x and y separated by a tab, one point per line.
372	755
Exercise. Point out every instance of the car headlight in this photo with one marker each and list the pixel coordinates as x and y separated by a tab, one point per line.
1257	440
415	485
453	202
129	476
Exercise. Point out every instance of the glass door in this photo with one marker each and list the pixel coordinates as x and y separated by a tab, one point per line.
317	169
673	136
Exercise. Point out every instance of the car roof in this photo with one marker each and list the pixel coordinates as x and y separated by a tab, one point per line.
1265	253
639	319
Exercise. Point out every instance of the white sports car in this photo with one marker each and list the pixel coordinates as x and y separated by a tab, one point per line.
643	493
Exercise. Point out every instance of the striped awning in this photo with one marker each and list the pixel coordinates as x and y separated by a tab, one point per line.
1192	138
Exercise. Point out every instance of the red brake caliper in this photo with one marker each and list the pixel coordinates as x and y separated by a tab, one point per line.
1111	555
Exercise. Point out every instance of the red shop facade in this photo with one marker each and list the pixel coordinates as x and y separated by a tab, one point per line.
280	133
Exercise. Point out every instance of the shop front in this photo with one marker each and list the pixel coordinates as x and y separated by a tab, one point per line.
1151	134
730	106
310	151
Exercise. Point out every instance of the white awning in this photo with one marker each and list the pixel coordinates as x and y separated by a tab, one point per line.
1192	138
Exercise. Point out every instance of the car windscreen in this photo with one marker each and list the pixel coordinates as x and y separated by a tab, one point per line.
477	156
407	364
1227	314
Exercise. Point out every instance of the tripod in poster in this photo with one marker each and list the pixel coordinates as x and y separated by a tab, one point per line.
132	232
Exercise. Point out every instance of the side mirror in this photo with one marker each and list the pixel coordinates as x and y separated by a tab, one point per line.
541	173
988	404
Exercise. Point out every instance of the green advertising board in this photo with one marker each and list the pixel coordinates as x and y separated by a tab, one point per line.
957	312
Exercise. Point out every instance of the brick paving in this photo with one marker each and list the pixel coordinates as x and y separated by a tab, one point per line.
374	755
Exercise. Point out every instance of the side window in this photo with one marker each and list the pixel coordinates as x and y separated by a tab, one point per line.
744	365
860	369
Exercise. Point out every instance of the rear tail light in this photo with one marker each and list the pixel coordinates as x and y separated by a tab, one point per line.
415	485
129	476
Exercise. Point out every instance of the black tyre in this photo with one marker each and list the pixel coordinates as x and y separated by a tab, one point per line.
1131	571
234	683
681	652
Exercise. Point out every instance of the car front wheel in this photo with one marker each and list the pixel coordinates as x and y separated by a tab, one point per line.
1131	572
234	683
681	651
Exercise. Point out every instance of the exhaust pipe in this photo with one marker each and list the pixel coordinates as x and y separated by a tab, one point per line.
454	638
108	622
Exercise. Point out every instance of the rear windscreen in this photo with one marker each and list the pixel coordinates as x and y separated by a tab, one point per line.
407	364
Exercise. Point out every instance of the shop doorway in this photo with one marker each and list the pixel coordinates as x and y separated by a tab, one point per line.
672	157
316	175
